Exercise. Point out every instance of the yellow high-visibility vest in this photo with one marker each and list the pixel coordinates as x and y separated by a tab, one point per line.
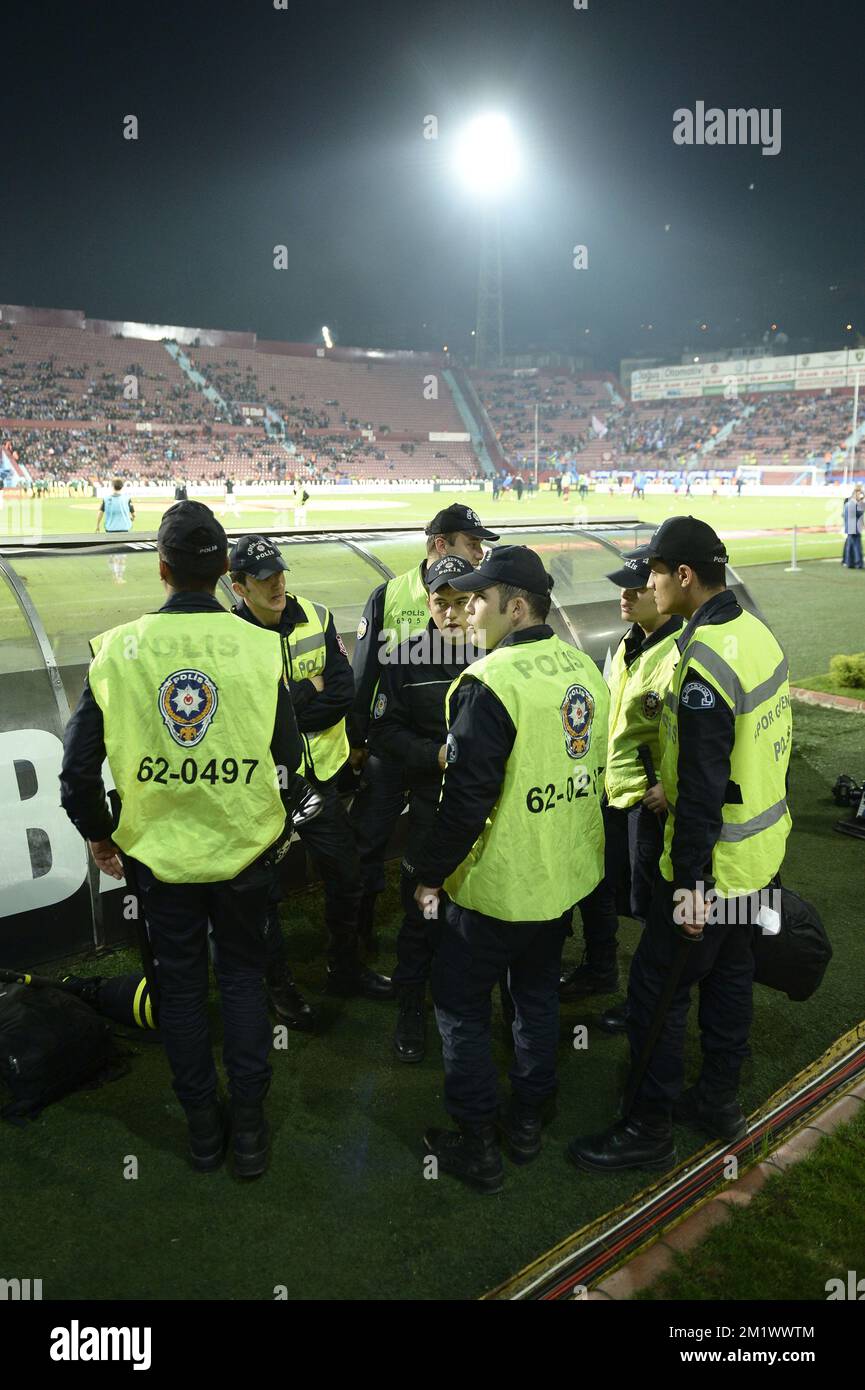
325	752
744	662
636	701
542	848
188	705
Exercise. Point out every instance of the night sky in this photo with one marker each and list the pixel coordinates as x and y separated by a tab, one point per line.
304	127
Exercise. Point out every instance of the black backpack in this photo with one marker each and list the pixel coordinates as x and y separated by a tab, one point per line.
795	960
51	1043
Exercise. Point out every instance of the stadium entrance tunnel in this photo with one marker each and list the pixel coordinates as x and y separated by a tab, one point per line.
55	597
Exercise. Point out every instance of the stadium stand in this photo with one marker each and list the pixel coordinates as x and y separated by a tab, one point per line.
580	426
66	402
67	406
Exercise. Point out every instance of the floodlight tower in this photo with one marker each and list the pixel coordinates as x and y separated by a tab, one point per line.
487	161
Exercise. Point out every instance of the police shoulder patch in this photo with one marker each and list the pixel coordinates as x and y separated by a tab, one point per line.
577	711
379	707
452	752
696	695
362	629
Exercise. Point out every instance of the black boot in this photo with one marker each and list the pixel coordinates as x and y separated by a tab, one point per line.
251	1138
208	1134
350	981
287	1001
586	978
409	1039
470	1153
520	1125
614	1020
631	1143
721	1117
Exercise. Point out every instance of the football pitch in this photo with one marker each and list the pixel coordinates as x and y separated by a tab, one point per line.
757	529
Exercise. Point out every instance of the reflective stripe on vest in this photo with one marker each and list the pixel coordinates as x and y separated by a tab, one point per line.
188	704
725	678
637	695
325	752
542	848
750	846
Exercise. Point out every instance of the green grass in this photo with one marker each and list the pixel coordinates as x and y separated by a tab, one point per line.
729	516
345	1211
801	1230
832	687
815	614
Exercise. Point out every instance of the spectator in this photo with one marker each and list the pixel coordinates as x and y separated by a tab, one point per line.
854	524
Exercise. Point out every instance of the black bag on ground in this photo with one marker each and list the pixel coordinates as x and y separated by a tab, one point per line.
795	960
50	1044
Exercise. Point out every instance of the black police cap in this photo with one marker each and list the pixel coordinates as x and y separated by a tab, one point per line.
445	571
257	556
685	540
509	564
635	570
191	529
459	518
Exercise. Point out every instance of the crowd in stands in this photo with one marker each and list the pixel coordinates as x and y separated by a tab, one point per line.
51	388
768	429
329	408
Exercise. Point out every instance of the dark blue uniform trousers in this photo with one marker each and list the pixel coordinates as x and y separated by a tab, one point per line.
330	843
377	806
722	966
634	839
177	916
472	952
416	936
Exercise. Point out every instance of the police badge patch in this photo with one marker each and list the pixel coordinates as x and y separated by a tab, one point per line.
651	704
696	695
187	702
578	711
379	707
361	629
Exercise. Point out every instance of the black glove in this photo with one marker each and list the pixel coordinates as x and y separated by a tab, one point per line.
303	803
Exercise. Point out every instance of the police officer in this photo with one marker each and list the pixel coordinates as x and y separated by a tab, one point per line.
408	731
194	718
517	840
725	747
640	675
322	690
393	613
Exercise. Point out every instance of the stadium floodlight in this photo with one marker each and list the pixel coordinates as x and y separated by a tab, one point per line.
487	163
487	158
328	340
